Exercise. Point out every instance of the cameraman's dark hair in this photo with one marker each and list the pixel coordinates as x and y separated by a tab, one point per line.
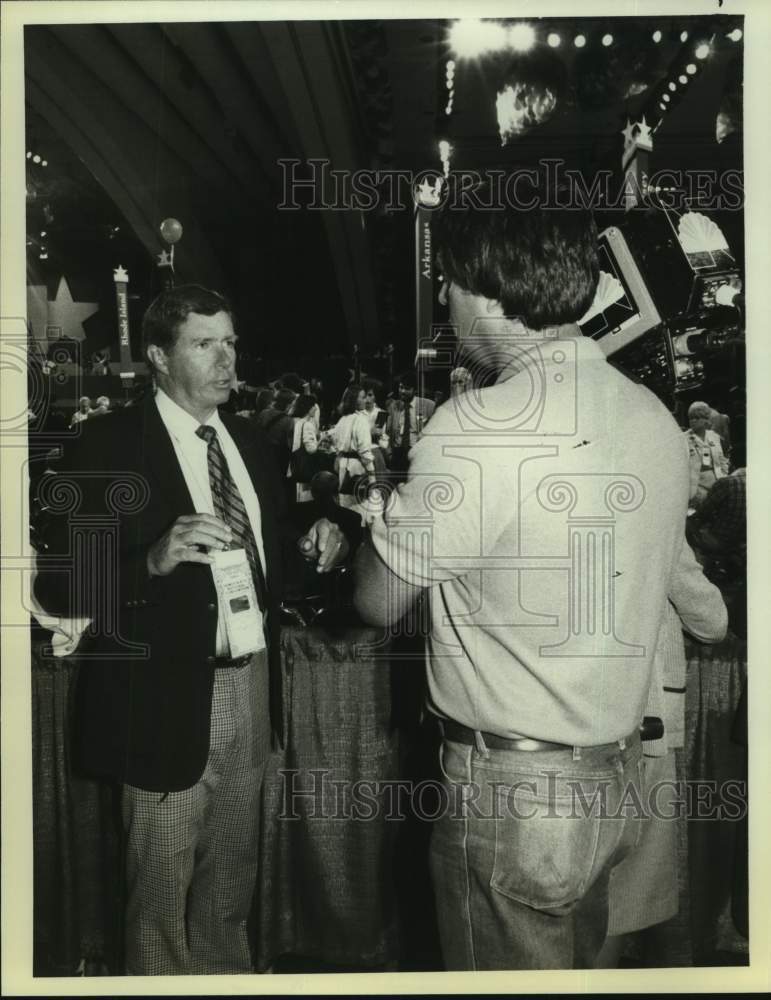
540	263
350	398
171	308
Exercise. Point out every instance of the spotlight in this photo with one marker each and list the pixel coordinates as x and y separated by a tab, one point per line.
579	41
657	37
690	69
553	39
607	40
683	36
471	38
702	51
735	35
521	37
672	86
682	78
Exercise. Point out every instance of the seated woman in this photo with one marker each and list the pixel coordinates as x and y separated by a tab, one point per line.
353	443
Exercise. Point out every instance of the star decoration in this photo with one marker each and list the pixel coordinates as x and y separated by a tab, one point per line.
628	132
164	259
67	315
428	194
120	274
644	135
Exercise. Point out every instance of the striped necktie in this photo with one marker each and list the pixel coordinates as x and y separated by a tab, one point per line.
229	507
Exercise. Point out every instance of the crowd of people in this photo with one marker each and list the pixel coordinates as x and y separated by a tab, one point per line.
364	438
549	666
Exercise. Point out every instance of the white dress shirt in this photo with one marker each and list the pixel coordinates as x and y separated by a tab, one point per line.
192	454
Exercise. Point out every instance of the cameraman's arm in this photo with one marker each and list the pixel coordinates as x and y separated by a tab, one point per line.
381	597
697	601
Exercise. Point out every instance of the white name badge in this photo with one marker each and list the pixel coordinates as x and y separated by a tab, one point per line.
238	602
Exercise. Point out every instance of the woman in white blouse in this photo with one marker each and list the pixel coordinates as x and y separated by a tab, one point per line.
353	442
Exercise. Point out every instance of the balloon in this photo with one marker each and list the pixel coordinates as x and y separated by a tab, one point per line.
171	230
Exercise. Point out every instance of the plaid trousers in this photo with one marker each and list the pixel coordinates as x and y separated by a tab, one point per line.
192	856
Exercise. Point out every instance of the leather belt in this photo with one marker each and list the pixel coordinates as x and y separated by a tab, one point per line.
226	663
457	733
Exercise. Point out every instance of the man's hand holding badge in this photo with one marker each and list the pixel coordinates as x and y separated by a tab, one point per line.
189	539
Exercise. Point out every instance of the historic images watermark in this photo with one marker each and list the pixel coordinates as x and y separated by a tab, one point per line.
315	185
544	795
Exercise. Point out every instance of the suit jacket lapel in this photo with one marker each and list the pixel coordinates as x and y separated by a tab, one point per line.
162	462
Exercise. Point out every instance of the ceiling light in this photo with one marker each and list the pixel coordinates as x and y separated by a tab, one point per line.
683	36
682	78
657	37
662	105
472	38
672	86
665	97
735	35
607	40
553	39
690	69
579	41
702	51
36	158
521	37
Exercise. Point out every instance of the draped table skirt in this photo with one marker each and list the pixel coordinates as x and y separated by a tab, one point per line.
328	885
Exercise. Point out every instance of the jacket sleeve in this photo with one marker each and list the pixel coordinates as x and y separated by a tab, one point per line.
698	602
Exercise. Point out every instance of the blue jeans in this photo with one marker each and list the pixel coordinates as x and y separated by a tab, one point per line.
521	857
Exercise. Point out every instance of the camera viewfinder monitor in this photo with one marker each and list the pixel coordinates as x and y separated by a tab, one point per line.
622	310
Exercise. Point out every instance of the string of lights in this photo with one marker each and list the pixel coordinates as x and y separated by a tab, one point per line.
522	103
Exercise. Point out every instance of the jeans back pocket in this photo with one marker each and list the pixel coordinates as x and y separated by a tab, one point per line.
549	849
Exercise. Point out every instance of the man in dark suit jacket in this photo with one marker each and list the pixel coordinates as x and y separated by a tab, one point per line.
162	703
